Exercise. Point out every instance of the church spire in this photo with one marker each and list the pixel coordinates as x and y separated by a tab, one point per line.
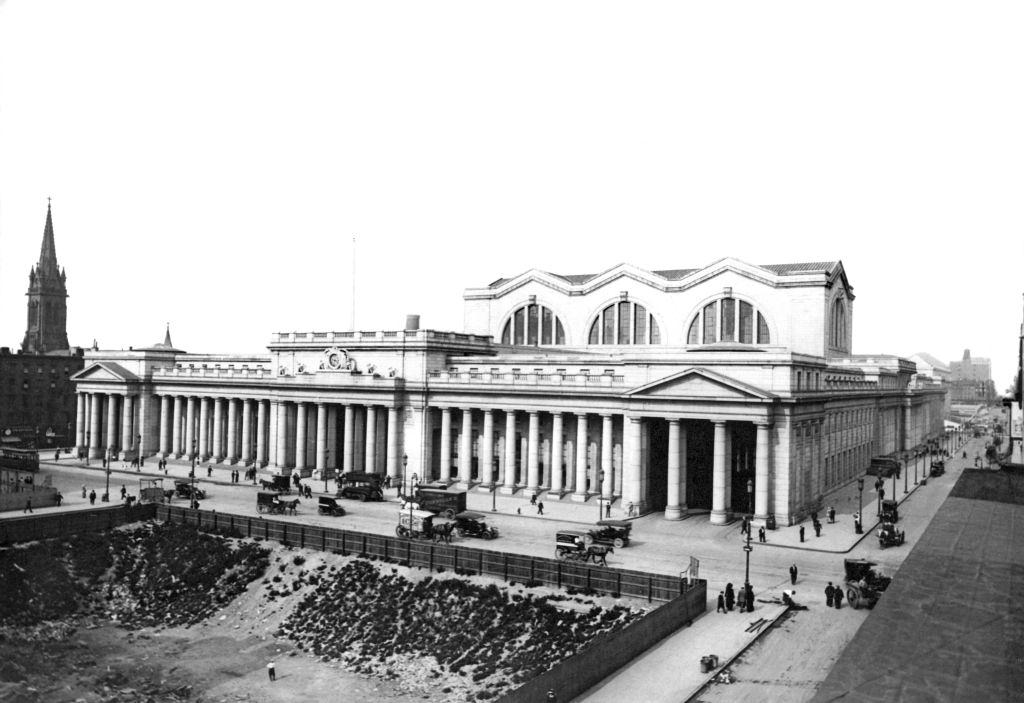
167	336
48	252
47	299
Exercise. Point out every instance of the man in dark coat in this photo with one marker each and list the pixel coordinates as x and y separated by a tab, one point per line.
730	597
817	529
760	535
830	592
721	602
801	533
792	574
838	597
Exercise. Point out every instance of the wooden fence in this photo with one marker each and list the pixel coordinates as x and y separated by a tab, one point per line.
27	528
510	567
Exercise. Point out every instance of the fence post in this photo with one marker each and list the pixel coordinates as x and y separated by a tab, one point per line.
588	577
343	548
284	532
409	557
387	540
455	567
558	566
302	536
532	568
364	544
505	566
618	583
323	540
266	530
481	562
431	556
650	588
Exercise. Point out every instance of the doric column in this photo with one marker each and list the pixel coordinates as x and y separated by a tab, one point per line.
556	454
634	489
165	426
127	439
466	447
281	413
718	477
231	452
190	426
349	444
321	437
95	423
261	432
111	442
333	456
533	452
218	429
607	453
204	429
673	510
762	464
179	411
391	445
371	439
581	457
300	436
908	440
446	445
246	432
510	452
487	451
79	422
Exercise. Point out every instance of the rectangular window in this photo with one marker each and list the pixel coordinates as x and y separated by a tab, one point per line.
546	324
746	323
640	324
710	324
533	324
624	325
608	323
728	320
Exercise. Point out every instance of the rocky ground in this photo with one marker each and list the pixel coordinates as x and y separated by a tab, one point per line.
163	613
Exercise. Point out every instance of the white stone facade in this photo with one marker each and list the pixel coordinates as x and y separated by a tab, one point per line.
643	418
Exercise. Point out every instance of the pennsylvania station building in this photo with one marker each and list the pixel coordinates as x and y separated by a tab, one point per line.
668	390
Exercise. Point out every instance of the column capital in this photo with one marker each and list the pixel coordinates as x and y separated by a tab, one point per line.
635	419
718	423
582	416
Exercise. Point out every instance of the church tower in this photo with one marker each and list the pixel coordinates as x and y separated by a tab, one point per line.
47	300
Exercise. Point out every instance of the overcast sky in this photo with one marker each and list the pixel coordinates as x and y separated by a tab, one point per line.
209	162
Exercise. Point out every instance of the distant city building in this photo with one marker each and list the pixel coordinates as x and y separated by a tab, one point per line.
716	390
971	380
932	367
37	400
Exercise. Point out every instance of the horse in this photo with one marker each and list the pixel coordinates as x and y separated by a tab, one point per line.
598	553
267	485
168	495
289	506
443	533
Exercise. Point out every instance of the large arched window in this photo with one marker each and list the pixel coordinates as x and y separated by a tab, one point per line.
533	325
728	320
624	323
838	338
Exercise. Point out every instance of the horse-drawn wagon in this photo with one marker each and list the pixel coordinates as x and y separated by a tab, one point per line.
864	585
423	524
278	484
267	502
570	545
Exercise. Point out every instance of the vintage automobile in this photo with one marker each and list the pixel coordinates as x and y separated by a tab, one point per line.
938	468
863	584
420	524
329	506
185	489
360	486
613	532
440	500
470	524
890	511
889	536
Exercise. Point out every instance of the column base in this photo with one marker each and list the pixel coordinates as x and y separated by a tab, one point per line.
579	497
674	512
507	490
719	517
485	487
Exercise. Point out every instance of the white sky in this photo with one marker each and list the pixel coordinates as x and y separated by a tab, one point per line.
209	162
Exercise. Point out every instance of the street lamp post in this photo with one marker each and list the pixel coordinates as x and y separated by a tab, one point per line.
87	445
327	461
857	527
906	471
747	599
138	450
600	481
192	476
106	494
405	472
408	499
880	490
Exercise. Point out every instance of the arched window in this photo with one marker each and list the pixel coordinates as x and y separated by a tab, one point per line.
624	323
533	325
728	320
838	337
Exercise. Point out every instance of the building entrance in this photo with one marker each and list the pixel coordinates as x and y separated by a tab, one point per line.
743	437
700	439
657	464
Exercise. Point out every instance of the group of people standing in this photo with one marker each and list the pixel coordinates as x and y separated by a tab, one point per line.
730	598
833	596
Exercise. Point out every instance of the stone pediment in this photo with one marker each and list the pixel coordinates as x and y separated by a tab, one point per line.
105	371
699	383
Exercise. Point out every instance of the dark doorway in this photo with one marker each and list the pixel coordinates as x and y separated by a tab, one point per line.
657	464
435	455
700	439
744	441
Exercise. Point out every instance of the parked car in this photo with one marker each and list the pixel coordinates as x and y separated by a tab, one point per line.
613	532
470	524
329	506
360	486
185	489
890	511
938	468
863	584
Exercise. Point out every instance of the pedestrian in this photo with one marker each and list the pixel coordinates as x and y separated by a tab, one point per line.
817	529
209	470
540	508
533	499
721	602
801	533
741	600
519	511
83	490
792	574
60	499
760	535
92	497
830	592
831	515
839	598
744	527
607	509
56	455
270	671
309	492
730	597
630	508
28	505
124	491
104	461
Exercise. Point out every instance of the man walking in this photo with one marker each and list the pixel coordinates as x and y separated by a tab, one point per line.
721	602
817	529
830	592
838	597
270	672
792	574
28	505
540	508
760	535
92	497
801	534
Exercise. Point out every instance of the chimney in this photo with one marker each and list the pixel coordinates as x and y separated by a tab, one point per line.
412	322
